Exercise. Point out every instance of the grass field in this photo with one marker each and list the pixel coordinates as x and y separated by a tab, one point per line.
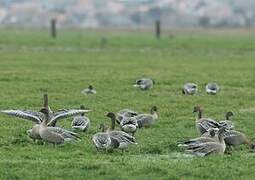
32	63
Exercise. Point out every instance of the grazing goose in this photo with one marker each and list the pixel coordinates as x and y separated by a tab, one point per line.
228	123
189	89
54	135
204	124
212	88
144	84
120	139
147	120
209	147
125	113
81	122
235	138
89	90
102	140
129	125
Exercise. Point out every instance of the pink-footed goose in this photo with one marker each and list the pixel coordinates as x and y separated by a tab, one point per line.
38	117
147	120
144	83
81	122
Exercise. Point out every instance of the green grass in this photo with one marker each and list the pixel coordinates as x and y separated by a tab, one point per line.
31	63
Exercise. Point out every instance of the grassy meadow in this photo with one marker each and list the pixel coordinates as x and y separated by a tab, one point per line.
31	63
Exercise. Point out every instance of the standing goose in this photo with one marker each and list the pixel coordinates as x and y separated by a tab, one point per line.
120	139
144	83
212	88
190	89
210	147
204	124
89	90
102	140
147	120
125	113
81	122
129	125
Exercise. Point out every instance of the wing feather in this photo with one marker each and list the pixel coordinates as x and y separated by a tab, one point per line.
25	114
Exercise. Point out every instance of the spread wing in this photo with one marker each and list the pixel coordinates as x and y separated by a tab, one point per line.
25	114
65	114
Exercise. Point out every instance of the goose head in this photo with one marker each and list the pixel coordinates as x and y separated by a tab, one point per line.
154	109
82	107
197	109
229	114
183	91
90	87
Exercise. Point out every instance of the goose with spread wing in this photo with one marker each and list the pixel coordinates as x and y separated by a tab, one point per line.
38	117
54	135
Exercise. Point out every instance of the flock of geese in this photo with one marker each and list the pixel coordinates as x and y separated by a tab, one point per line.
215	135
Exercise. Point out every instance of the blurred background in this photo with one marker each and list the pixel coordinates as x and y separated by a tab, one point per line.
128	13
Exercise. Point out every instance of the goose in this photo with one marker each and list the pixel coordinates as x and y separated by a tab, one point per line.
190	89
37	117
144	83
120	139
129	125
89	90
228	123
102	140
204	124
125	113
81	122
209	136
147	120
235	138
212	88
54	135
209	147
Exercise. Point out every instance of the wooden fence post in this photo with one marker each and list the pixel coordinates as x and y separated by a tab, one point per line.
157	29
53	28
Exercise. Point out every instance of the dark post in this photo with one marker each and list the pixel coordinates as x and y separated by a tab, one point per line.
157	29
53	28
